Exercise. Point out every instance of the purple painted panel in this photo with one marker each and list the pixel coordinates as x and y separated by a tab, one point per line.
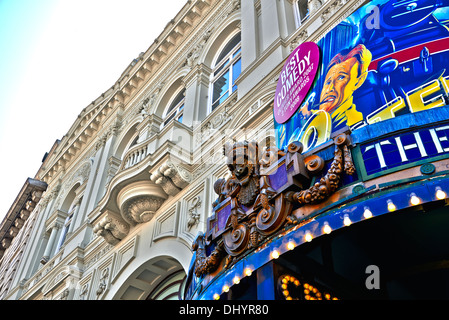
278	178
222	217
295	80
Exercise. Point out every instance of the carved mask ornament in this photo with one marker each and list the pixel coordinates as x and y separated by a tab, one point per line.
249	210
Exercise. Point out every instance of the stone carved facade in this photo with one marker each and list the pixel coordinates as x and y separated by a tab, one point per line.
113	229
172	178
134	194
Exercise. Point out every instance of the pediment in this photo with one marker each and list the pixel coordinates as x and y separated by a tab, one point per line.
60	277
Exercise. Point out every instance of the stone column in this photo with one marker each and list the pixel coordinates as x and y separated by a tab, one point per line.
197	86
250	33
75	214
270	23
50	243
103	166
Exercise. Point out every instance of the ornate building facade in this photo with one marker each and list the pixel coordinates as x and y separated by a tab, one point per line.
118	201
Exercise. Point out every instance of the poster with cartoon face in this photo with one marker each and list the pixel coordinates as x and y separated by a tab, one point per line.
387	59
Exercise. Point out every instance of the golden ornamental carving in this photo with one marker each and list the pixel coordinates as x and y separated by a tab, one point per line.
258	198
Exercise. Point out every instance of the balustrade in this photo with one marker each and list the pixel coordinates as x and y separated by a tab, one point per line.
134	155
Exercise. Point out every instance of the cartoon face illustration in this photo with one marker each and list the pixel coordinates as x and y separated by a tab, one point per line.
341	81
346	73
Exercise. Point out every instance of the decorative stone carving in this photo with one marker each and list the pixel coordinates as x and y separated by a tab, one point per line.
300	38
171	178
102	285
65	294
332	9
194	215
314	5
84	291
151	99
115	128
257	200
166	183
111	228
192	57
180	176
139	201
236	5
142	209
101	141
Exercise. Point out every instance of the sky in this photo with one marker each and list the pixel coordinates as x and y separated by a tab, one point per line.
56	57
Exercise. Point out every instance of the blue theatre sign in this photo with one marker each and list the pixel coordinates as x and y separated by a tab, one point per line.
405	148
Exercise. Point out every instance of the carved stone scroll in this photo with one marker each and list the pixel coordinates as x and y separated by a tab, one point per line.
112	228
171	178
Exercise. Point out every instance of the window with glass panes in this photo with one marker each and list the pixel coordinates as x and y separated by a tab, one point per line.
225	72
176	109
301	11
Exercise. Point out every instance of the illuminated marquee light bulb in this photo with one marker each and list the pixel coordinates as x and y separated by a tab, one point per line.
216	296
248	272
367	213
275	254
290	245
308	236
391	206
346	220
439	193
414	200
225	288
236	280
326	228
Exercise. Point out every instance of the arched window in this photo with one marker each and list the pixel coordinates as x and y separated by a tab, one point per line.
226	70
169	289
73	210
176	108
71	213
301	11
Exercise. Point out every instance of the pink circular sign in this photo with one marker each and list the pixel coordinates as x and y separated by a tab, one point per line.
295	80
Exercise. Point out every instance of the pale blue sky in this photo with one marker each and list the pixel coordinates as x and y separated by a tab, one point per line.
56	57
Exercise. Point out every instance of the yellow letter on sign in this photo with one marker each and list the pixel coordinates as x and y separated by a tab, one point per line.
387	111
416	97
316	131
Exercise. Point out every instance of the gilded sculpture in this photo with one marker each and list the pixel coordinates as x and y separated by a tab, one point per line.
258	198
